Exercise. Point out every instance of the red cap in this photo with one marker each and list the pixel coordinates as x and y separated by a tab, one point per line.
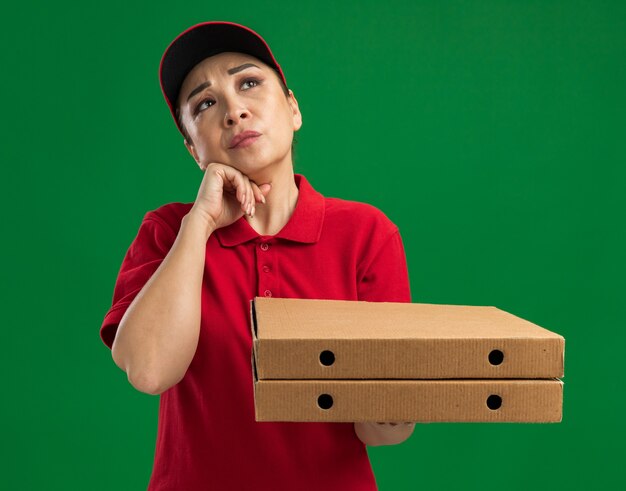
201	41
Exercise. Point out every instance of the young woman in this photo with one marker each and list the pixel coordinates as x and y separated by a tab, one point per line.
179	322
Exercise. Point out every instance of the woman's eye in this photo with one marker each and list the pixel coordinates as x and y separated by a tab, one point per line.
248	80
200	106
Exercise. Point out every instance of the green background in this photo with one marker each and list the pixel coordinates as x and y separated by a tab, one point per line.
491	132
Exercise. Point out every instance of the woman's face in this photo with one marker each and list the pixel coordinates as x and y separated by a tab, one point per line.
227	94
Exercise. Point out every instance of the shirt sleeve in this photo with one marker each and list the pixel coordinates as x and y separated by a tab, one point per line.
384	277
146	252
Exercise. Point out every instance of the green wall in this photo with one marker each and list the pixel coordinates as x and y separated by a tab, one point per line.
491	132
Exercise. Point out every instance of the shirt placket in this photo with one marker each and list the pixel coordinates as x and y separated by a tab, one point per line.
266	268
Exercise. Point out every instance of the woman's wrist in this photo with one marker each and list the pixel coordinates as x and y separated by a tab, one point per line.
200	223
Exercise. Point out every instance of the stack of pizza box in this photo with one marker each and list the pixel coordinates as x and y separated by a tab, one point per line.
344	361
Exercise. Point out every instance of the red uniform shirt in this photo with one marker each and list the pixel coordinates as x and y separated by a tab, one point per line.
207	437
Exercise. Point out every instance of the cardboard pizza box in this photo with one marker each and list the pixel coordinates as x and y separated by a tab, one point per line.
468	400
299	339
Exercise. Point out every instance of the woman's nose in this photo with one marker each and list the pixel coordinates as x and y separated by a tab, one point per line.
235	113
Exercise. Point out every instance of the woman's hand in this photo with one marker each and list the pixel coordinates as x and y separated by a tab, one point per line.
225	195
375	434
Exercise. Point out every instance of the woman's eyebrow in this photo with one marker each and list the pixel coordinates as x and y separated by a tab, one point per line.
231	71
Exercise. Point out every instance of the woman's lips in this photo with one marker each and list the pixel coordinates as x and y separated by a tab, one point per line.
247	141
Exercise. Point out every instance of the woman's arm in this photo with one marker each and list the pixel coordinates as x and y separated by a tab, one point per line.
158	335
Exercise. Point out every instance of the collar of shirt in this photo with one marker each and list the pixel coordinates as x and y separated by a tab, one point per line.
304	225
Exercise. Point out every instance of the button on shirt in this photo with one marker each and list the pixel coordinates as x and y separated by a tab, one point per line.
207	437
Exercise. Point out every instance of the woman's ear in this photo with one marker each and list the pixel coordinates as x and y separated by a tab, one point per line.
297	116
193	153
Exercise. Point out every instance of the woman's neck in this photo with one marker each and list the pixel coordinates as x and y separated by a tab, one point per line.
280	203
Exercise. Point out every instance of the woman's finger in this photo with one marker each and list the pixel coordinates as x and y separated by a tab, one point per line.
252	198
258	194
242	186
249	195
409	423
234	182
